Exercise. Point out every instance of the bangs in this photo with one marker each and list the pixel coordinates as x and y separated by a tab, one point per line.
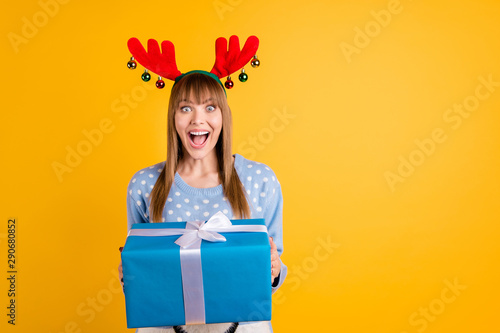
198	88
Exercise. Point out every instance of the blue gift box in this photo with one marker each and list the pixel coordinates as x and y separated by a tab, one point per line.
236	277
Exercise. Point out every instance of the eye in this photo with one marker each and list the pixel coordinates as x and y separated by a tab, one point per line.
210	108
185	108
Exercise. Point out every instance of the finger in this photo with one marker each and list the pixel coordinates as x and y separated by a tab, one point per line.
276	264
273	245
274	256
120	273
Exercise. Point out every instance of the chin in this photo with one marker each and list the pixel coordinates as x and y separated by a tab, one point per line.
197	156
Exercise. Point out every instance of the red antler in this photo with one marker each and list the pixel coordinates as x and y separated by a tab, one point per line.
228	62
162	63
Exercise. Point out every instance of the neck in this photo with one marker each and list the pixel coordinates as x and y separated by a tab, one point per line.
200	172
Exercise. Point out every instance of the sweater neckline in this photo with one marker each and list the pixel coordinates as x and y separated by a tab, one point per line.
209	191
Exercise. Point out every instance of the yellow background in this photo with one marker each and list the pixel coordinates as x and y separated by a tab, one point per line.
352	118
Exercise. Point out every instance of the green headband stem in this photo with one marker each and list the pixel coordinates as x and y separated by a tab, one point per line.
212	75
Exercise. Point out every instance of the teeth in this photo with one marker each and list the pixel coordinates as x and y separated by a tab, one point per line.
198	133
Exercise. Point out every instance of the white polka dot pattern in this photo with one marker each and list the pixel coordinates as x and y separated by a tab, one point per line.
182	204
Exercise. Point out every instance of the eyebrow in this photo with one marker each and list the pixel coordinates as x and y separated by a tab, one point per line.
190	102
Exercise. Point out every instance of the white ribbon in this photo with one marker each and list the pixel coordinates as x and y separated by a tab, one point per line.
190	255
195	230
204	230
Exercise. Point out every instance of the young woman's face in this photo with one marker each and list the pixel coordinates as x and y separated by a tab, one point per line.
198	126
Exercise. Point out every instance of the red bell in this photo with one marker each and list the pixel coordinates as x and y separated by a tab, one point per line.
160	84
229	83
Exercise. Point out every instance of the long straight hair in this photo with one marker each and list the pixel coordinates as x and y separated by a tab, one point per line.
199	86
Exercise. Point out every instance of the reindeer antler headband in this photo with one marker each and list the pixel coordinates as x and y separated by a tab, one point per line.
227	61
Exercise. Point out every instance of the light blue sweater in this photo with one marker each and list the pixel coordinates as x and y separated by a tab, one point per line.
187	203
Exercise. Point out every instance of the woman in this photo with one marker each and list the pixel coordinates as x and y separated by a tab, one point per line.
201	177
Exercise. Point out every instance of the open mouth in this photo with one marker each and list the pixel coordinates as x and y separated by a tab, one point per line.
198	139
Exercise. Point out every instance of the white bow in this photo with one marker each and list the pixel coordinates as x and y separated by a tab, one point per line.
196	230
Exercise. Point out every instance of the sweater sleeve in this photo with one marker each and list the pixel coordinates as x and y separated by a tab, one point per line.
273	215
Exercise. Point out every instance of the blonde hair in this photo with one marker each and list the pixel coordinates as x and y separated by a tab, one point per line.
198	86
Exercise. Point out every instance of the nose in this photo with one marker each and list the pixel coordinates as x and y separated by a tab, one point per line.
198	116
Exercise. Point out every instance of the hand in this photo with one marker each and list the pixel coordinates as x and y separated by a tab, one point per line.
120	271
275	261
